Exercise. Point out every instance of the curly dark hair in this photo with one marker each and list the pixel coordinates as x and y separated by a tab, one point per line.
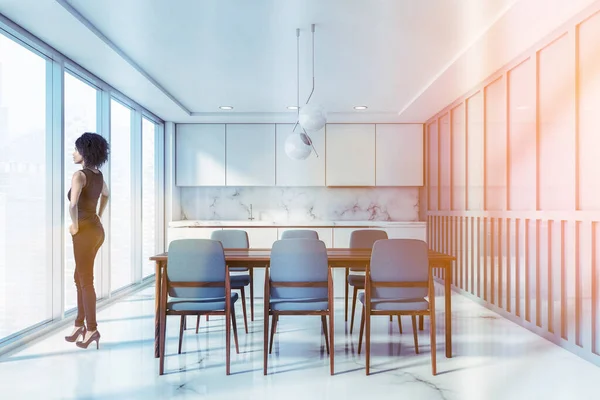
93	148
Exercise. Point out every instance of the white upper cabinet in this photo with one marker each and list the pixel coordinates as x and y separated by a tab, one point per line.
200	155
250	155
309	172
350	159
399	149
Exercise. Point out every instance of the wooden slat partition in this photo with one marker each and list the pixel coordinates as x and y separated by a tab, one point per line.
527	249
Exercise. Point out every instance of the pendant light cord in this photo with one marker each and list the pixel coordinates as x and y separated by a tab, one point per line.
312	28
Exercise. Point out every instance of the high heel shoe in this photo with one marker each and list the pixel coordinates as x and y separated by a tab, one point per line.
94	337
75	335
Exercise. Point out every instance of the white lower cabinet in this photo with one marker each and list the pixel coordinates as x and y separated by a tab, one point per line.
407	232
189	233
325	234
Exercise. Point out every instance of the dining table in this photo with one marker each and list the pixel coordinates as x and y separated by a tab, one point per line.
337	258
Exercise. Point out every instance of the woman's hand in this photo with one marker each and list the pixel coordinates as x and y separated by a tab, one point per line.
73	230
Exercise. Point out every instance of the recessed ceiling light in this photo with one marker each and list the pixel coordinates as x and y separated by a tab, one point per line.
360	107
226	107
292	107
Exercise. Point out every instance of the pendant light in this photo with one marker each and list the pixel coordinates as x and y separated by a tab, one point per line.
298	146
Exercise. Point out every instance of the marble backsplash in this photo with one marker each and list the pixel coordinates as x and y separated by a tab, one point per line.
294	204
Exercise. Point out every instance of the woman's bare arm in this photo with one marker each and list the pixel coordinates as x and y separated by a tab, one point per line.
77	184
103	199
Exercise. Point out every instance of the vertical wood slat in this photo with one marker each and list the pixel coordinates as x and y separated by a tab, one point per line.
472	258
527	274
509	266
462	254
455	247
550	279
478	257
563	283
578	291
500	268
538	280
517	267
493	252
594	290
485	259
448	221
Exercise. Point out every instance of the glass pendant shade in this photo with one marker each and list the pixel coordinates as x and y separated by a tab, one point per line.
312	117
298	146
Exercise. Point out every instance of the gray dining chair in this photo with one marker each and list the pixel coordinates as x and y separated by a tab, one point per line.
237	239
299	234
196	282
298	282
360	239
397	282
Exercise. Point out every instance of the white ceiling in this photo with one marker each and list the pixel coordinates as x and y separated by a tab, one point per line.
404	59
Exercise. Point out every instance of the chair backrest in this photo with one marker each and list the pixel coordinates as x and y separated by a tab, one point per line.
365	238
196	260
300	260
231	238
399	260
300	234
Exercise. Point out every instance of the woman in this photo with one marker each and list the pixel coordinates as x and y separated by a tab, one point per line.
87	186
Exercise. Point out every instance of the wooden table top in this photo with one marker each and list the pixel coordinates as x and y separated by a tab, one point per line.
333	254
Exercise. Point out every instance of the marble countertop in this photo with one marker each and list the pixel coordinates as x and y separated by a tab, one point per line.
295	224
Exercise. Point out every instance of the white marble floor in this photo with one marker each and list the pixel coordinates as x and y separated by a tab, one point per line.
494	359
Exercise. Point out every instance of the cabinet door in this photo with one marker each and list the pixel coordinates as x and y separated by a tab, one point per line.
399	155
189	233
250	150
325	234
309	172
200	155
408	232
350	157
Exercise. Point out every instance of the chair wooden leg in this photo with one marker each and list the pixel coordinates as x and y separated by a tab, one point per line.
414	325
181	328
184	323
421	322
346	287
251	272
227	341
367	339
391	318
207	317
273	328
331	339
198	323
265	335
433	342
234	325
362	328
324	324
162	339
400	324
354	296
244	309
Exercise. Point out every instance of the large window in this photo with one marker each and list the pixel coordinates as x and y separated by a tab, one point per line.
80	117
121	206
25	269
45	105
148	196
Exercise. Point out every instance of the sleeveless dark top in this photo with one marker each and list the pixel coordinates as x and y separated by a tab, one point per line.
88	199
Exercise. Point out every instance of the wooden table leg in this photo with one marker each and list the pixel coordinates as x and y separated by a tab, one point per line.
448	308
156	306
346	295
251	293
